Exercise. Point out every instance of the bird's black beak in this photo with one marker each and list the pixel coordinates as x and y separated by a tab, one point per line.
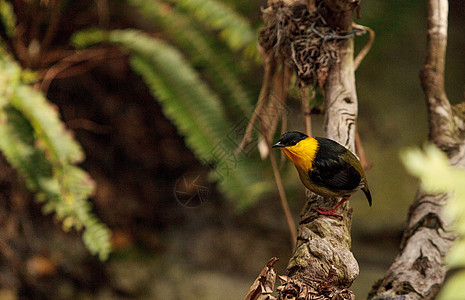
278	145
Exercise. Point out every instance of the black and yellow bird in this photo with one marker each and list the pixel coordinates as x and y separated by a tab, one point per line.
325	167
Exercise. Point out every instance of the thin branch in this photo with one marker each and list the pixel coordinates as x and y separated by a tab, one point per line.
304	95
361	152
88	125
361	55
52	26
91	56
284	203
34	32
103	12
270	68
283	130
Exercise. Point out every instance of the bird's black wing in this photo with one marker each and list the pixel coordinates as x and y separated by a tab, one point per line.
330	170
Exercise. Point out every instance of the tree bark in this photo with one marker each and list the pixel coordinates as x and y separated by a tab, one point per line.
323	265
419	270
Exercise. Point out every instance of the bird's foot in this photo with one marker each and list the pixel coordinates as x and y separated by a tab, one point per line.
325	212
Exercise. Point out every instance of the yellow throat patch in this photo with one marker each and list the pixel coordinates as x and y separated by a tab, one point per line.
303	153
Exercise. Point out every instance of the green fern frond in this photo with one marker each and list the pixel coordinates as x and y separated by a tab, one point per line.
58	143
220	70
185	97
174	75
234	29
195	109
89	37
16	140
177	85
36	143
240	178
198	140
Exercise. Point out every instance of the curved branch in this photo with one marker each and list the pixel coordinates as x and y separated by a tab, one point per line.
419	270
432	76
361	55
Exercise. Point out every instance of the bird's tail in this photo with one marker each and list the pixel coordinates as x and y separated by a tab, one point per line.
367	194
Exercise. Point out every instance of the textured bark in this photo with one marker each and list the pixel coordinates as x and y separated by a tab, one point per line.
419	270
341	99
323	265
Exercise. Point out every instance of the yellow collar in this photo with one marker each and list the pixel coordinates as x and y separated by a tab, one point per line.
303	153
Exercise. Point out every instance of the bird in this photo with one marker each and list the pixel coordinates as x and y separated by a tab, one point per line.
325	167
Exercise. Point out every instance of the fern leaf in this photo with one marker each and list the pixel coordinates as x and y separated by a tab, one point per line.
196	110
89	37
220	70
234	29
58	142
16	144
36	143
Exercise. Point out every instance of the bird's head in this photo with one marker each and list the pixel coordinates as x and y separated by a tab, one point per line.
299	148
290	139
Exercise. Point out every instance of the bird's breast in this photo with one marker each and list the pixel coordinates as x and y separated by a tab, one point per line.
303	154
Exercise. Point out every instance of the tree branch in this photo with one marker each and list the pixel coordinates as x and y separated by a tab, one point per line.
432	76
323	264
318	46
419	270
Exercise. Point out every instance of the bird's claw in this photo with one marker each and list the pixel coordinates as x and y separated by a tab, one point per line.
325	212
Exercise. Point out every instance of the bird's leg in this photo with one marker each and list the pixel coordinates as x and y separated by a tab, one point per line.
331	211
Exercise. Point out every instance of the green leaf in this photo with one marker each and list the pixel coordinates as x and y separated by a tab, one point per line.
433	167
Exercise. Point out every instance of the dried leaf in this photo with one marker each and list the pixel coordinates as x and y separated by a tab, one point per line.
263	286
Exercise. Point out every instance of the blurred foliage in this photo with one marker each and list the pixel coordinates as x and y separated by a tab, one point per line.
437	176
233	28
209	106
7	17
201	93
35	142
203	49
193	107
